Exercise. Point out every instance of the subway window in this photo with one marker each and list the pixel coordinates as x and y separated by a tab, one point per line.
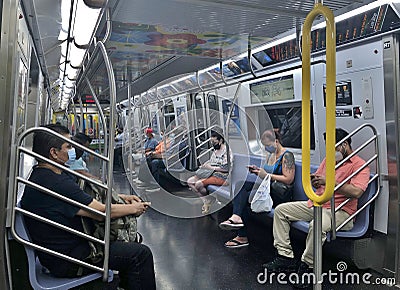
287	119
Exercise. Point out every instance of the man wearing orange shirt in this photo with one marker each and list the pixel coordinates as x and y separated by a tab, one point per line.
303	211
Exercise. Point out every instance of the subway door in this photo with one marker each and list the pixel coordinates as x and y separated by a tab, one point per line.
391	55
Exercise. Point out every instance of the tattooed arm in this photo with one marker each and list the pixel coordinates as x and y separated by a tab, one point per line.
288	169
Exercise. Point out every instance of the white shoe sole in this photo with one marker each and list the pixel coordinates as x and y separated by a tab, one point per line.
152	189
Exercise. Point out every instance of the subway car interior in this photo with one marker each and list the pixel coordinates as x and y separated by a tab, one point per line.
179	100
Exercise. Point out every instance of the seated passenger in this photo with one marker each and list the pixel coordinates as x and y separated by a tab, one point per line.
303	210
155	163
133	261
219	163
280	165
151	143
119	140
75	155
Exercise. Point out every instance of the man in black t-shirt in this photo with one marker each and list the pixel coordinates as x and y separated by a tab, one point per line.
133	261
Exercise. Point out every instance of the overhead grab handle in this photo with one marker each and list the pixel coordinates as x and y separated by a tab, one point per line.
319	9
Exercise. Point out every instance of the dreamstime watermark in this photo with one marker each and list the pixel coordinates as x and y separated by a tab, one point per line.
338	276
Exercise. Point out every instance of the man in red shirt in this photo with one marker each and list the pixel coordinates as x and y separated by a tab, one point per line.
303	211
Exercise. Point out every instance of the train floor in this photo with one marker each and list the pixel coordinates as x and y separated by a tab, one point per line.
189	253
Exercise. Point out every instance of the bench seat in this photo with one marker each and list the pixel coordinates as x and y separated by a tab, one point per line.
240	173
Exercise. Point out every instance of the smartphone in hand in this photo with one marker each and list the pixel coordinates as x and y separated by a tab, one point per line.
251	168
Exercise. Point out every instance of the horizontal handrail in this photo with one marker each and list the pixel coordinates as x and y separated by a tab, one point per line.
177	161
378	190
177	153
366	143
375	157
54	253
202	143
350	198
60	226
174	129
204	153
173	146
80	175
205	131
59	196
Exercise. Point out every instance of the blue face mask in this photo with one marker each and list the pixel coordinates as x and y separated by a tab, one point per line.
270	149
71	154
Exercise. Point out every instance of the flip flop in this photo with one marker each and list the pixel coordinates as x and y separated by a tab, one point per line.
230	225
139	238
237	244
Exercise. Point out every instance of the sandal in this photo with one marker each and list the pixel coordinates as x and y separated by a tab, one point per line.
139	238
230	225
236	244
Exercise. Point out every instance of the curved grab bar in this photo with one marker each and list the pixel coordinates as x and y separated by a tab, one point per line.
226	130
103	121
249	56
108	26
113	101
319	9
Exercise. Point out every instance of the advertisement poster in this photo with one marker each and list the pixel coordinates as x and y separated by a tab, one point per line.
234	124
181	116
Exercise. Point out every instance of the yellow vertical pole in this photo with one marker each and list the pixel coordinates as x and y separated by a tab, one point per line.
330	103
318	200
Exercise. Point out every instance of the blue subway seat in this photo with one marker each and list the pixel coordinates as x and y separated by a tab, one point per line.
239	174
39	276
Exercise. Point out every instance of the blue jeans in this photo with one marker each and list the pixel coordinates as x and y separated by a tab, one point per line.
240	203
135	265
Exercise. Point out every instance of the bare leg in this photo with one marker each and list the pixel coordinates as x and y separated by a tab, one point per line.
200	188
191	183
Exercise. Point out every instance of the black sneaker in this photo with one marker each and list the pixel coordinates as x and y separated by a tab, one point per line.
281	264
305	276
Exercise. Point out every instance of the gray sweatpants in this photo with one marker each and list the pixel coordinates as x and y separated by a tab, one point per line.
286	213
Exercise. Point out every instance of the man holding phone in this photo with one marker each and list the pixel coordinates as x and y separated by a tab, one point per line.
303	210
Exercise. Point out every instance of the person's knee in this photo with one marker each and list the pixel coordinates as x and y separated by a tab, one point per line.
280	208
199	185
191	180
146	250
